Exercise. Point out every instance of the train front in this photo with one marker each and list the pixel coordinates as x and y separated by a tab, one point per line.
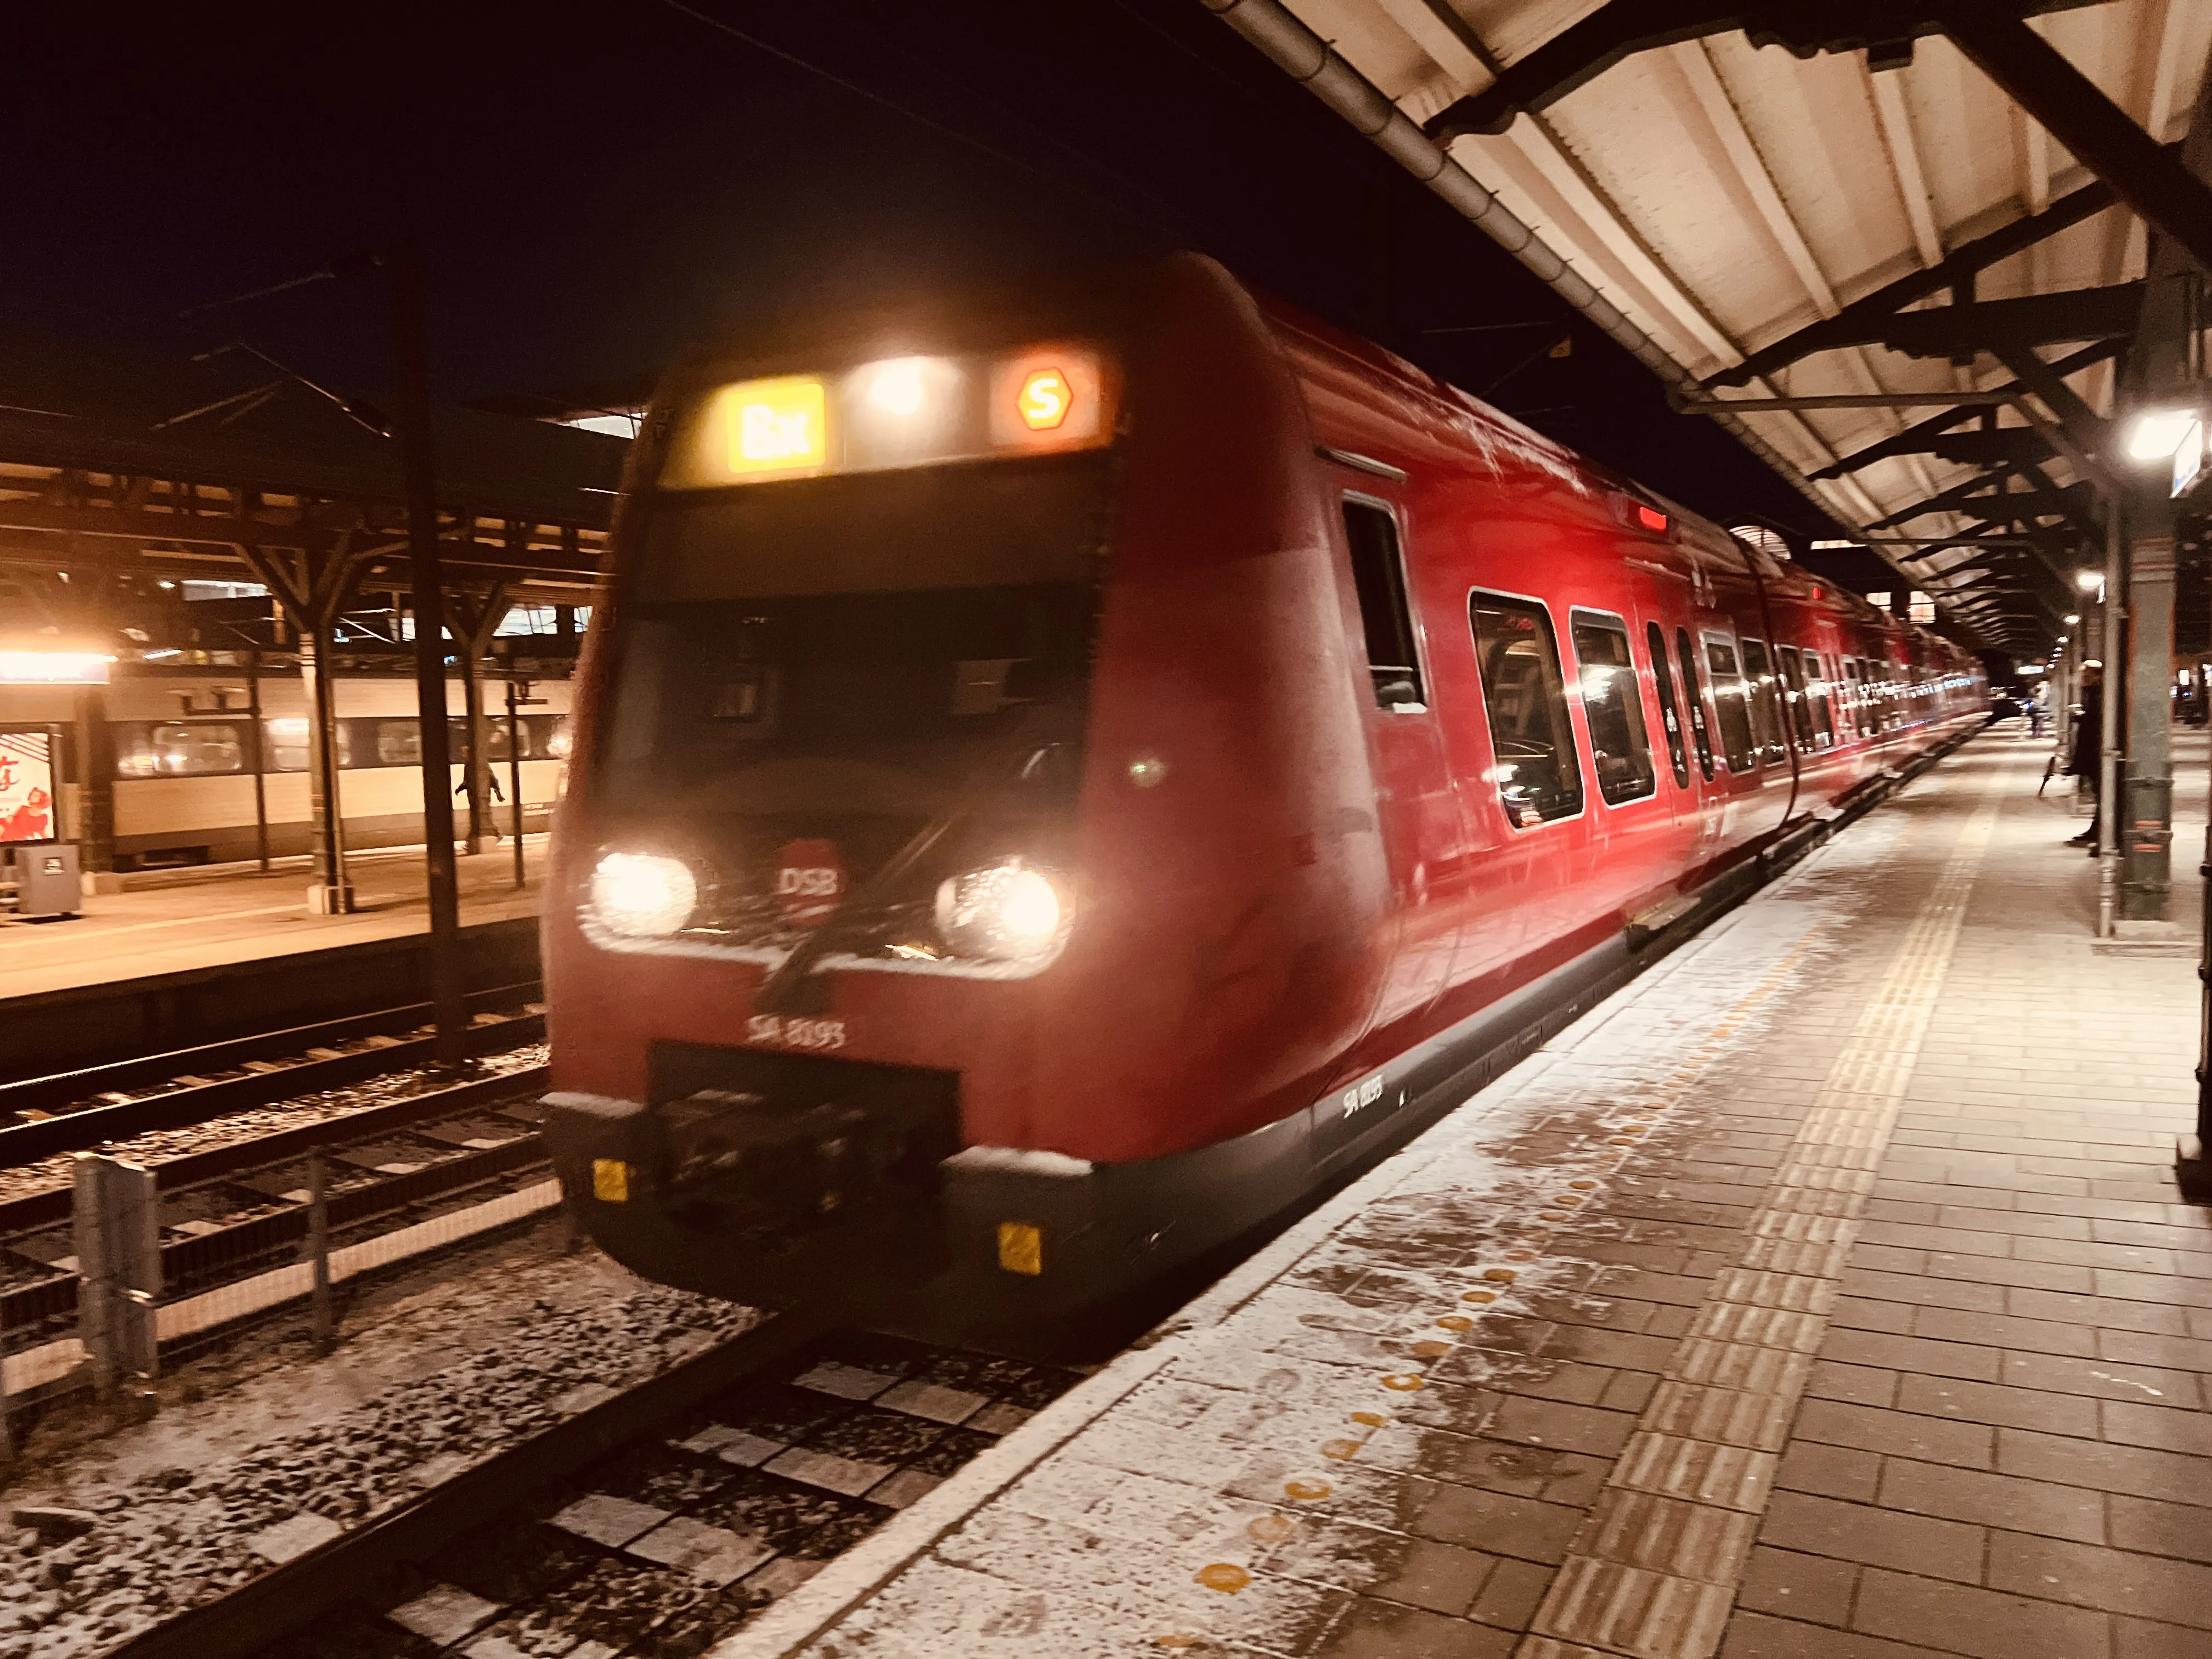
862	947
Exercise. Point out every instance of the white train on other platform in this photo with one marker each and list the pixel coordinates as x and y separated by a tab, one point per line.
207	760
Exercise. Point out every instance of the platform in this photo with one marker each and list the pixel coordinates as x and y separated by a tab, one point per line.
174	921
1825	1295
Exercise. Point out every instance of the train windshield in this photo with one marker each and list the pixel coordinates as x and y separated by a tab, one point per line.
854	660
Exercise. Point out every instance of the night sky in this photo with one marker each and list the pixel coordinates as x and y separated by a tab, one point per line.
594	182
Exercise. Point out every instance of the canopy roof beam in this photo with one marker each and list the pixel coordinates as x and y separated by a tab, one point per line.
1956	272
2088	357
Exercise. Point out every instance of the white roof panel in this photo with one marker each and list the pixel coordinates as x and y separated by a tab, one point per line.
1723	196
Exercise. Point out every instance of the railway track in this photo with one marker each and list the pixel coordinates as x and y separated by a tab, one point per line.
652	1522
237	1210
74	1110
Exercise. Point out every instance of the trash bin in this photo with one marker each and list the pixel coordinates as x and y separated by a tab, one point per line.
43	877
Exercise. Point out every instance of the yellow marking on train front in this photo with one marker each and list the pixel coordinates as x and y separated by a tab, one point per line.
1021	1248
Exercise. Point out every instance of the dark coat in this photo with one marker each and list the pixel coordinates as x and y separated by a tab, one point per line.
2088	734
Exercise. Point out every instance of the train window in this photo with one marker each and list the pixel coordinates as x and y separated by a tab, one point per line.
181	751
1855	696
1765	702
1378	571
1698	732
1612	706
1823	689
1793	684
1877	690
1670	715
1539	776
398	743
1729	703
285	743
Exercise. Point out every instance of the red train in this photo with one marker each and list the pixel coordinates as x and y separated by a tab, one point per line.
1057	779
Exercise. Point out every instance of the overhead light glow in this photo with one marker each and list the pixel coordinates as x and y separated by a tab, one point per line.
54	667
2070	620
895	387
901	411
2155	433
2088	581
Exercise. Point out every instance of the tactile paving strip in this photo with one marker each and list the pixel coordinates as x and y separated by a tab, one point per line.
1654	1573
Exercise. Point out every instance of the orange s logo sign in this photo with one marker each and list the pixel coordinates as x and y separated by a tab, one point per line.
1045	399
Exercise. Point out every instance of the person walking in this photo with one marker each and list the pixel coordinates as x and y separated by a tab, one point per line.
2085	762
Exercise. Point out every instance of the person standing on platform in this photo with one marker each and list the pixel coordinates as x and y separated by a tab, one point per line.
2088	740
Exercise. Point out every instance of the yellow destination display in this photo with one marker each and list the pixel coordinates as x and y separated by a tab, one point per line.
773	426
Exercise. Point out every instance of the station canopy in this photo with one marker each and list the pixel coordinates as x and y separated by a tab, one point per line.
1907	243
118	461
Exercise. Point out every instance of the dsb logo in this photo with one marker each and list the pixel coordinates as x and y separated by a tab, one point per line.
809	882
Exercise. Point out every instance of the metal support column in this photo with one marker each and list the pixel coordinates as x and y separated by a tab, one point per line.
310	587
473	625
475	768
96	783
412	362
332	892
2147	807
258	750
516	696
2110	627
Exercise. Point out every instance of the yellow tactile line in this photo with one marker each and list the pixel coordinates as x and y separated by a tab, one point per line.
1490	1283
1653	1574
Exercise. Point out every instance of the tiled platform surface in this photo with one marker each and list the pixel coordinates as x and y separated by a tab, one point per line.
242	915
1822	1297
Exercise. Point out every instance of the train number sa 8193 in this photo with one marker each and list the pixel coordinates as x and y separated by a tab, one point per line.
777	1031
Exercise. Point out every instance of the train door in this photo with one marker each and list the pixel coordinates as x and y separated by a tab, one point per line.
1712	794
1672	728
1631	829
1536	776
1423	835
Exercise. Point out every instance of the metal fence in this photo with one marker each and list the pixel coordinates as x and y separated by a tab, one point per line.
128	1294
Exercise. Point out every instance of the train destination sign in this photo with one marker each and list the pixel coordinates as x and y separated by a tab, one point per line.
895	412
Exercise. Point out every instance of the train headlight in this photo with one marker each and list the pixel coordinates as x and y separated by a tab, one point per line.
1005	911
643	894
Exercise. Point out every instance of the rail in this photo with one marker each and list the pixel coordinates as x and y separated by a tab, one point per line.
41	1131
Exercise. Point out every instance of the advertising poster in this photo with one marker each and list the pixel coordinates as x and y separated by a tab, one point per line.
27	786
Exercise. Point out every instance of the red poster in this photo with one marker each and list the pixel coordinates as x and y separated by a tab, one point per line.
27	786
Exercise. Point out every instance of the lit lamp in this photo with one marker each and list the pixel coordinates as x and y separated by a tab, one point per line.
47	664
2173	436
